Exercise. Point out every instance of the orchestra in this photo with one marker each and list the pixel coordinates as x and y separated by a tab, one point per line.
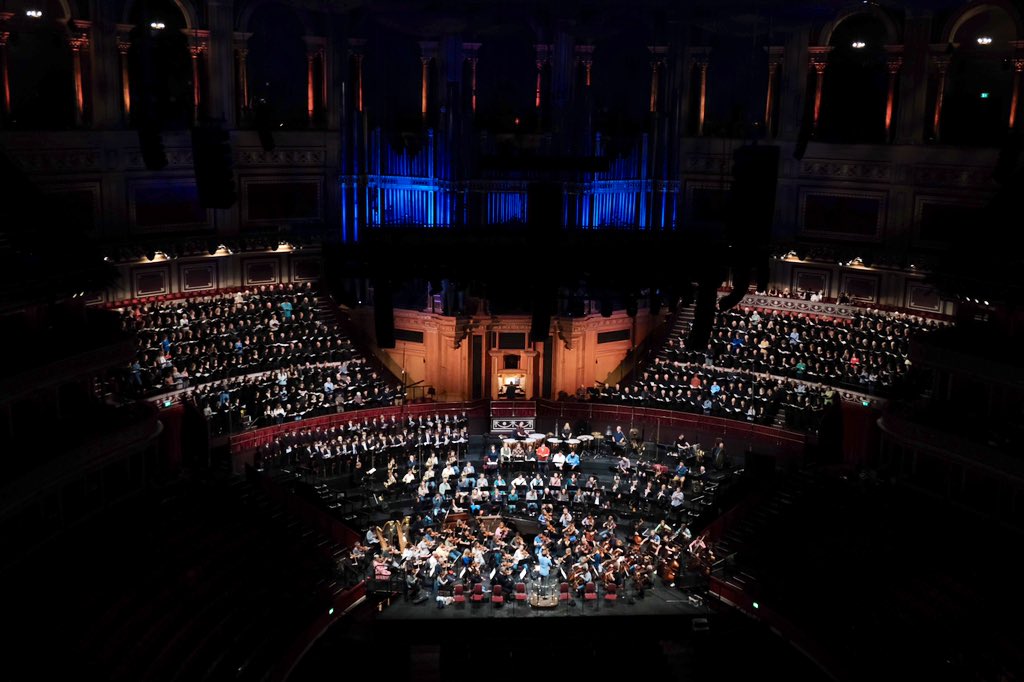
444	547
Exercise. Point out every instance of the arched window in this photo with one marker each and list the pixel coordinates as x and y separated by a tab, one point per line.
39	68
855	82
506	82
736	87
392	70
277	66
976	101
160	67
621	85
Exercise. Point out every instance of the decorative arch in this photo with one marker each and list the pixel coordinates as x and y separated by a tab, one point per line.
892	31
956	21
184	6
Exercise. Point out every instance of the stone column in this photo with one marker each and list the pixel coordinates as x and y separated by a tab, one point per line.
242	104
197	95
893	65
105	107
793	84
702	92
775	56
79	41
314	51
819	61
543	54
356	47
1018	68
941	63
657	60
199	43
220	97
124	44
428	50
585	56
913	91
470	52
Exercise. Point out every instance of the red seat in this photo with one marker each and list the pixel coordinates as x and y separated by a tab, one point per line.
563	592
478	593
611	592
590	592
497	598
520	593
459	597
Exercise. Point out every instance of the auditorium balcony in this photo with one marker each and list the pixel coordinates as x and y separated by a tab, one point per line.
71	448
960	436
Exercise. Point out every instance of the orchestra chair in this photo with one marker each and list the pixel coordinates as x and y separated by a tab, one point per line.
497	598
520	593
459	596
478	594
590	592
611	594
563	592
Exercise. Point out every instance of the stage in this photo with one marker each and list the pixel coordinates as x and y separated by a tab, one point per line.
659	601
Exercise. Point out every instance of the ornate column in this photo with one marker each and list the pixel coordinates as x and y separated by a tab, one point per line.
657	63
5	82
199	42
241	41
79	42
103	87
702	92
585	56
355	48
1018	68
543	53
314	51
124	44
775	53
941	62
196	51
470	52
428	50
220	93
819	60
893	64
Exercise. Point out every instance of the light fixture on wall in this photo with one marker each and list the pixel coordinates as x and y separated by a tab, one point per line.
984	40
284	247
157	25
222	251
157	256
34	13
858	44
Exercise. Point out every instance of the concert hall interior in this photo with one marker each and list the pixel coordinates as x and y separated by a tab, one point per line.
511	337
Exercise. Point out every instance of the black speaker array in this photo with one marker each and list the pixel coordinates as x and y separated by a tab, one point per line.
384	314
214	166
151	145
755	176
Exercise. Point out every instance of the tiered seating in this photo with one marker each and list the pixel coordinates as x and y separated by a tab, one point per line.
868	353
251	358
773	367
